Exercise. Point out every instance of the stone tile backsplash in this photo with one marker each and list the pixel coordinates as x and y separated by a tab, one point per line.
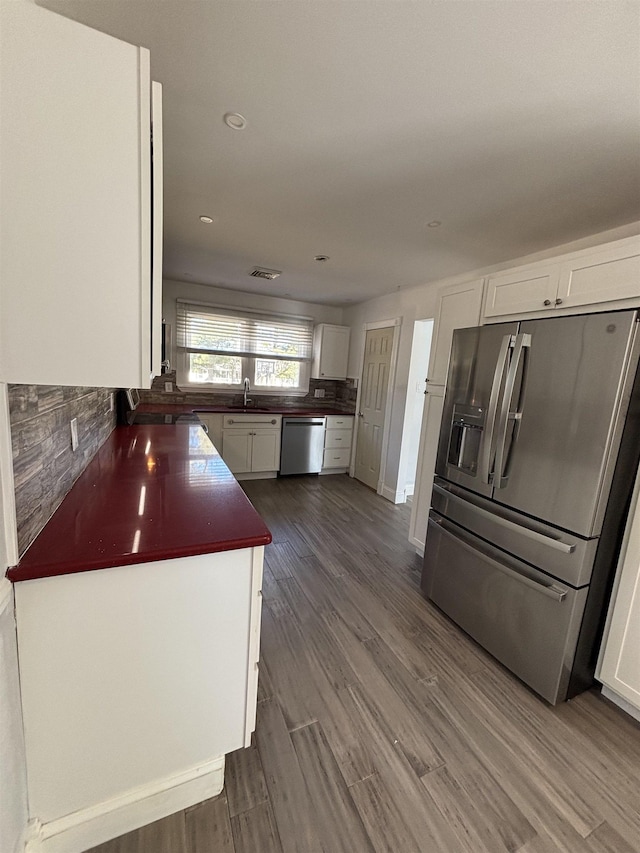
44	465
337	394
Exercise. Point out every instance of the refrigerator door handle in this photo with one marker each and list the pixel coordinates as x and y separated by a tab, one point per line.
489	426
550	590
556	544
522	342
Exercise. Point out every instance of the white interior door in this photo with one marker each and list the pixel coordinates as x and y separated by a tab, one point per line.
373	400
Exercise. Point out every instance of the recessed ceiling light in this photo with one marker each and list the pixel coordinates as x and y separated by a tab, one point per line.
321	258
235	121
206	219
435	224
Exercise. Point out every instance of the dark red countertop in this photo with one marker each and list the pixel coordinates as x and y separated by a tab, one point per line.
189	408
150	493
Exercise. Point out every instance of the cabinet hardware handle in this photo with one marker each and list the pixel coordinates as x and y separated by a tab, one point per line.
547	302
558	301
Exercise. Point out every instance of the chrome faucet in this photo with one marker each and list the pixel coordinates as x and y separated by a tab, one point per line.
246	391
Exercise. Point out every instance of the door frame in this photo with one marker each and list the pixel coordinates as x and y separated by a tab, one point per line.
396	324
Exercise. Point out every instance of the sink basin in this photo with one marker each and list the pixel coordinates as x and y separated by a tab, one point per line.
248	409
245	411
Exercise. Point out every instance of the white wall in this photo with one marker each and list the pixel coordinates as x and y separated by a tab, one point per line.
418	303
13	783
416	385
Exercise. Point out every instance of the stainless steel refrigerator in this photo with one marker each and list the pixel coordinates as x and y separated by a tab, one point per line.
539	446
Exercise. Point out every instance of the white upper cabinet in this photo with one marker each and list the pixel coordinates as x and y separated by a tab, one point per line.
523	290
600	275
76	217
458	307
603	274
330	351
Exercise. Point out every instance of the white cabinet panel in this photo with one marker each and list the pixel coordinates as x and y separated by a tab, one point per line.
605	274
251	443
330	351
534	289
600	276
421	502
336	458
76	203
620	659
265	450
236	449
458	306
212	422
340	422
338	438
157	676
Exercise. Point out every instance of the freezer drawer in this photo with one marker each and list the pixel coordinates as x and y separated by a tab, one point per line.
526	620
563	555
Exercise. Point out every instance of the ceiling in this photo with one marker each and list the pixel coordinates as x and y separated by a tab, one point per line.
514	124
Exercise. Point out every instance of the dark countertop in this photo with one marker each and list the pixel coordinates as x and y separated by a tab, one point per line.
189	408
150	493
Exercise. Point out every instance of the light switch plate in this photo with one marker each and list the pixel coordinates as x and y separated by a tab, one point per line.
319	392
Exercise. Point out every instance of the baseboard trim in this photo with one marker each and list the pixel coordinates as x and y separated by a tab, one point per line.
396	497
621	702
418	545
89	827
256	475
5	594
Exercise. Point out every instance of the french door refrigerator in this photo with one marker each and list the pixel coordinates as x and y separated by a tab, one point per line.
539	446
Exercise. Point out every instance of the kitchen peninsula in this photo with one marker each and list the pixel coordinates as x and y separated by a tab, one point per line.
138	613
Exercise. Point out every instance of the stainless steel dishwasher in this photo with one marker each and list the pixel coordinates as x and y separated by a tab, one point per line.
302	445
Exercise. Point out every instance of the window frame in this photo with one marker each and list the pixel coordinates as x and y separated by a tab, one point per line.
248	363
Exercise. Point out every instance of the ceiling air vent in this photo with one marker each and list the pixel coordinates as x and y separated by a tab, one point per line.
263	272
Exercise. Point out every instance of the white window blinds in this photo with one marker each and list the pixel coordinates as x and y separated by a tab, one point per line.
223	332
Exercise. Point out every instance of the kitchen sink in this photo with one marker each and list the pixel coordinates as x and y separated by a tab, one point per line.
245	411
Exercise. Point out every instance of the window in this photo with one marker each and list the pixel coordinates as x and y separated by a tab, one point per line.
218	348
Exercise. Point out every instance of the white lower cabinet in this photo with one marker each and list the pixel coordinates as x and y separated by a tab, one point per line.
251	444
338	437
135	681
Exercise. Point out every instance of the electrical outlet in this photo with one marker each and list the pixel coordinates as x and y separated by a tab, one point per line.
74	434
319	392
168	386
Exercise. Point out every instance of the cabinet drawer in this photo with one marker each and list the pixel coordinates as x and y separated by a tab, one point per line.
337	438
336	458
242	420
340	422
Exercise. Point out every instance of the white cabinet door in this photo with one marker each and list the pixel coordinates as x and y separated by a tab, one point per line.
603	275
521	291
212	422
236	450
421	502
330	352
620	659
458	306
75	272
265	450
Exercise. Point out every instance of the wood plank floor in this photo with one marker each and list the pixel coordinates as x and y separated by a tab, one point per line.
381	727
